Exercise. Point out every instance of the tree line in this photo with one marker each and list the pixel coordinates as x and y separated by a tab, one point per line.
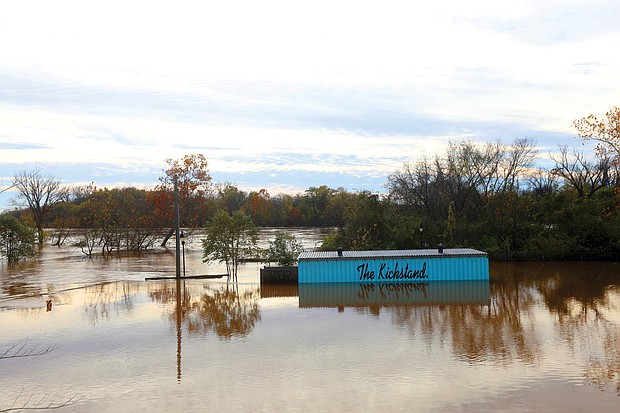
485	196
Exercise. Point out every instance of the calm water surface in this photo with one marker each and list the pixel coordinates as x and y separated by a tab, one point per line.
537	337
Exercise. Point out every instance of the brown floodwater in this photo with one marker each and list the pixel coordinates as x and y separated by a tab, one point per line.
537	337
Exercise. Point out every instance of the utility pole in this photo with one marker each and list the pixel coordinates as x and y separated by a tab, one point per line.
178	228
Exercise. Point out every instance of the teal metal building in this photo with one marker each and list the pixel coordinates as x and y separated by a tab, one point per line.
393	266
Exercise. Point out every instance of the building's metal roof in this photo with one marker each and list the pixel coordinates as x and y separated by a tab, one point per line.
352	255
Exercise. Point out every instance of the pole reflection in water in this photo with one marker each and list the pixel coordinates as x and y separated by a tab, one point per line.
179	306
201	309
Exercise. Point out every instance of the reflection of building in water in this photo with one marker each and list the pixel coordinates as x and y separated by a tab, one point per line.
481	320
278	290
389	294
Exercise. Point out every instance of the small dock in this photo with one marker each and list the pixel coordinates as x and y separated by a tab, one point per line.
393	266
187	277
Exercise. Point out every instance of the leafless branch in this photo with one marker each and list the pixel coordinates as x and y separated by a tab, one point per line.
21	349
30	403
581	174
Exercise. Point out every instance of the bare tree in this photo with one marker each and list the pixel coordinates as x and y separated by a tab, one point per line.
40	193
23	349
584	176
412	186
5	188
462	183
519	157
542	182
32	401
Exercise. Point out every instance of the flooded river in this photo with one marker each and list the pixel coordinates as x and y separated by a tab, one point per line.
93	334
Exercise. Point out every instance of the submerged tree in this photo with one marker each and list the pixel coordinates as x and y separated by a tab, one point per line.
229	239
16	240
39	193
116	219
284	249
193	182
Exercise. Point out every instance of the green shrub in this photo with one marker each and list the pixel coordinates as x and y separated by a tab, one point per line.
16	239
284	249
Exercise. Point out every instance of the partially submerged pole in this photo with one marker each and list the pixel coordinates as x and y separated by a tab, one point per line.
179	330
177	227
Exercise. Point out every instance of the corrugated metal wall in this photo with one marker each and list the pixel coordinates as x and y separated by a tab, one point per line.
440	268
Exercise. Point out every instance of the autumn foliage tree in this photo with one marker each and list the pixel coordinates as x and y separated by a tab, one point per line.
115	219
192	175
604	131
259	207
193	183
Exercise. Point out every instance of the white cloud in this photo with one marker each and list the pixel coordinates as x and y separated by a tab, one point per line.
84	139
346	87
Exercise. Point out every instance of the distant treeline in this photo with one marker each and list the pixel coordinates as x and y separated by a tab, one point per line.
481	196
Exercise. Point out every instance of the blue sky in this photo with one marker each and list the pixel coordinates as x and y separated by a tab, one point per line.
286	95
